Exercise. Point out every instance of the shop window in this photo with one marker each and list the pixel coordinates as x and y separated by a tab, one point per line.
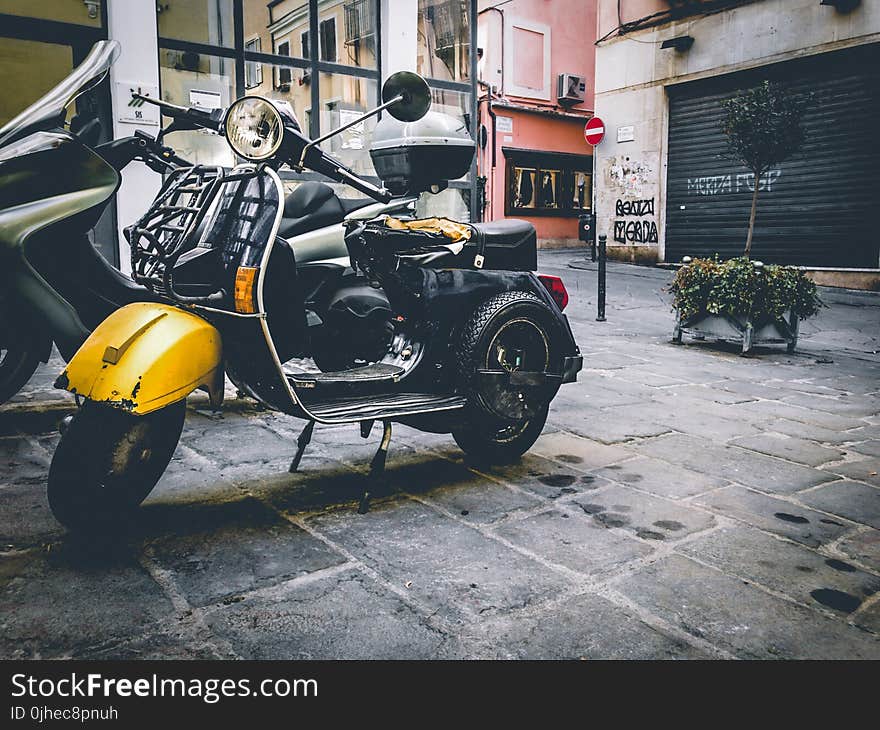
253	72
547	183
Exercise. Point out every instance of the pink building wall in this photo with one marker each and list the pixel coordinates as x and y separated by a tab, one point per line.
522	76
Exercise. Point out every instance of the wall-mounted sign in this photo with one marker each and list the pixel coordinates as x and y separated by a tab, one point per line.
136	111
626	134
207	100
504	124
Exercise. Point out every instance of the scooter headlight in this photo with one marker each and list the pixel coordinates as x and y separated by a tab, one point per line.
254	128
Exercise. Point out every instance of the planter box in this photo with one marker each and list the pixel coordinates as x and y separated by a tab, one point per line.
725	327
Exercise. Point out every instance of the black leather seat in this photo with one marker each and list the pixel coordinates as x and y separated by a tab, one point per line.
506	232
313	205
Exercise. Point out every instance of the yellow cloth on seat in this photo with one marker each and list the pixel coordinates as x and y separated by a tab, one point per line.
453	230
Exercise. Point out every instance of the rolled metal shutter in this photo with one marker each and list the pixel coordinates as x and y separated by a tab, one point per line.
818	208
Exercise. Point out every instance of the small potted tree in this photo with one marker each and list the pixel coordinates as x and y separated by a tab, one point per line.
742	299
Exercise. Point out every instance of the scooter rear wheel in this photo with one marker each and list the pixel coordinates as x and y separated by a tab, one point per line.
108	461
496	443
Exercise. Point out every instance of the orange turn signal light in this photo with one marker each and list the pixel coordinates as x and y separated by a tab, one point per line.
245	292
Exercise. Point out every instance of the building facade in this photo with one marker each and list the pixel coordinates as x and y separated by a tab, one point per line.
535	84
325	58
666	186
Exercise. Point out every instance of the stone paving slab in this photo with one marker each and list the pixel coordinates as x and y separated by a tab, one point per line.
461	491
578	452
863	470
786	568
219	551
574	541
543	477
660	477
25	519
865	406
741	618
868	448
453	569
855	501
586	626
647	517
799	429
773	409
790	448
863	547
343	616
774	515
63	602
738	465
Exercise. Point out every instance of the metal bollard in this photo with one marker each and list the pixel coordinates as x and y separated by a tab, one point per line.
600	317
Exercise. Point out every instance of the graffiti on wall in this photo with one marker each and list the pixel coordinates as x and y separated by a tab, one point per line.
642	228
738	183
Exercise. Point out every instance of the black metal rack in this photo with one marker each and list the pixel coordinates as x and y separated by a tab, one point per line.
170	226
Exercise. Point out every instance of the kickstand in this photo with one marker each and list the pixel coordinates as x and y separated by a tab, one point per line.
377	468
301	442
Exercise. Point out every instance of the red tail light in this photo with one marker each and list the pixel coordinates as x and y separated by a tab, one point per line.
554	285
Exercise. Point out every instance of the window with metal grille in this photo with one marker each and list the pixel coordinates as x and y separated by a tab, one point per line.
360	17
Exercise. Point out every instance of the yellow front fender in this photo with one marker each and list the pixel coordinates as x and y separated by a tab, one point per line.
146	356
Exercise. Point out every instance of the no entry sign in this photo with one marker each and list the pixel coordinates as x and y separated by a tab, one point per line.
594	131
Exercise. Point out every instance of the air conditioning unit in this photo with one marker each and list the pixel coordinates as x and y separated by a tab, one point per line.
571	89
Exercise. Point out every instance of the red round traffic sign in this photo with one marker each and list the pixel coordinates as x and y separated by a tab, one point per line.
594	131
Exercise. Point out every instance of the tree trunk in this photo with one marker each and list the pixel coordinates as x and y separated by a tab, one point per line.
748	250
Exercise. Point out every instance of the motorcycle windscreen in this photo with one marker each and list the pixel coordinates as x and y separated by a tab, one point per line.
49	109
260	279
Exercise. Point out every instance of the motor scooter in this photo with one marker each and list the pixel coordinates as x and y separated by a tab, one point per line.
58	287
478	344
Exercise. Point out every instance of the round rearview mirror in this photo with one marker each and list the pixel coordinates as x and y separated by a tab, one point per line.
414	92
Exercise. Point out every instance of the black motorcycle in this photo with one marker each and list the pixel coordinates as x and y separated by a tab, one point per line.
471	341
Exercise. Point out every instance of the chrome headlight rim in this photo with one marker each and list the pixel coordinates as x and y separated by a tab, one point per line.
279	121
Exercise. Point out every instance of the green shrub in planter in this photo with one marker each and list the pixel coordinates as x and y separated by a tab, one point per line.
746	295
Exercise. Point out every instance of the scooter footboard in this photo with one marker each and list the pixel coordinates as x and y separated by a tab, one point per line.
146	356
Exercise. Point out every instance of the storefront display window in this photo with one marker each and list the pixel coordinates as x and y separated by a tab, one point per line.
546	183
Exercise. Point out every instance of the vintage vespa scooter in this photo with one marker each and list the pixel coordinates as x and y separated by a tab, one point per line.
479	345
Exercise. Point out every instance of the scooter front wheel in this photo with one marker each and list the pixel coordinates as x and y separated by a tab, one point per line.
108	461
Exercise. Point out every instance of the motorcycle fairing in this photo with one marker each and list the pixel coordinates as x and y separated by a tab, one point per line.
56	182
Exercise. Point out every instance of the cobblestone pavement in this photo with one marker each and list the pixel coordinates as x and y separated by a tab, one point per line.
683	502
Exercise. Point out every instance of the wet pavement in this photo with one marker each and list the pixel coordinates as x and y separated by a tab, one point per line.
683	502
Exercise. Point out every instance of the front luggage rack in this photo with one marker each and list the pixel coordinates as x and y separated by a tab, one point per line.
170	227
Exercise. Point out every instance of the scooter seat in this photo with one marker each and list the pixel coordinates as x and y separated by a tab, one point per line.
313	205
